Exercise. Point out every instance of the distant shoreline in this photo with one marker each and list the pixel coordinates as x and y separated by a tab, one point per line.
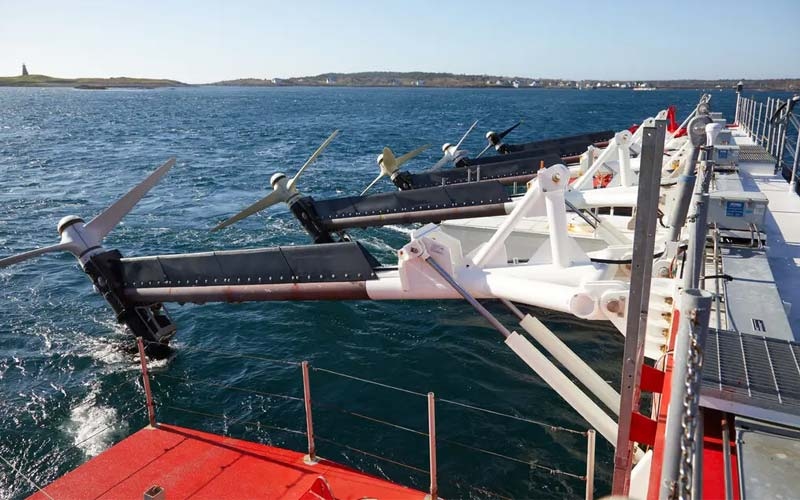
404	80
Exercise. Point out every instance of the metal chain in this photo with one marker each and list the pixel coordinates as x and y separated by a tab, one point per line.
689	422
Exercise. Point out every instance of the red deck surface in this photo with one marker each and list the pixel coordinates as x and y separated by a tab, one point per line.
193	464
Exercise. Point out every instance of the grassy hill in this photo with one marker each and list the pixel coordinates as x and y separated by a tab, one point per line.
118	82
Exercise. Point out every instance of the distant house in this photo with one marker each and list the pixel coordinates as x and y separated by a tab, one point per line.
276	81
419	83
331	80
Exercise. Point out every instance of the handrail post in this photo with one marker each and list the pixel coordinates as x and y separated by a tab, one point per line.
434	491
151	411
638	302
759	123
782	140
793	179
771	125
311	458
590	440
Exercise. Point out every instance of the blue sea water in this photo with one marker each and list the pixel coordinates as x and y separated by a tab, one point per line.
68	384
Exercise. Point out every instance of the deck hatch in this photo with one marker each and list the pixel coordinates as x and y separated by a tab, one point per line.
752	375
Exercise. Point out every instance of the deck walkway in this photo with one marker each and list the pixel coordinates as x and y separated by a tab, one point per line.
782	229
192	464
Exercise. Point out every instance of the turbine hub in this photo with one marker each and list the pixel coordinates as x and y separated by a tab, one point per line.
67	221
276	177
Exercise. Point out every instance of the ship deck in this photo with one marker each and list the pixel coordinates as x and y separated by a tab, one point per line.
191	464
782	229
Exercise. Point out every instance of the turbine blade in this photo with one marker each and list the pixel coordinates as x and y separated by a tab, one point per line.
267	201
509	129
372	183
314	156
484	150
441	163
458	145
108	219
411	154
20	257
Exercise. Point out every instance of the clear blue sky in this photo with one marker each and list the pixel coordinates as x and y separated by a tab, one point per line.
204	41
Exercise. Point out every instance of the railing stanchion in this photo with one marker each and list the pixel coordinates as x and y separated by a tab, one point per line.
434	491
793	179
590	439
151	411
782	139
311	458
770	125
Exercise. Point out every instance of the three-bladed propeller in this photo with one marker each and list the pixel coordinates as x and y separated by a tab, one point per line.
84	240
389	164
451	153
496	139
283	189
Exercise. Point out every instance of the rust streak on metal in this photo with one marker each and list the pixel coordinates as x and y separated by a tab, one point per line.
346	290
422	216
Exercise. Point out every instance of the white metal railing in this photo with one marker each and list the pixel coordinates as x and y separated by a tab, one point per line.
772	125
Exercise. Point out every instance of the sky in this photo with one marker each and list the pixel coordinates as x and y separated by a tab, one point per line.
205	41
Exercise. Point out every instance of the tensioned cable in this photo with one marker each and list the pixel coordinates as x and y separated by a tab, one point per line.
371	419
21	474
226	353
226	386
551	470
369	381
235	421
521	419
373	455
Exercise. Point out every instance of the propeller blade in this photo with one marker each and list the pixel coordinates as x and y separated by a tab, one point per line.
107	220
20	257
313	157
458	145
267	201
411	154
441	163
372	183
484	150
509	129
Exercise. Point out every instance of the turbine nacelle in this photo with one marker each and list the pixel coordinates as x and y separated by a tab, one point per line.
85	240
284	190
452	153
496	139
389	164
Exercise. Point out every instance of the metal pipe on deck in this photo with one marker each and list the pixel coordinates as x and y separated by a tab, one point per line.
676	471
793	179
739	87
572	362
311	458
151	409
638	300
543	367
726	459
345	290
590	447
434	487
784	130
687	180
423	216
